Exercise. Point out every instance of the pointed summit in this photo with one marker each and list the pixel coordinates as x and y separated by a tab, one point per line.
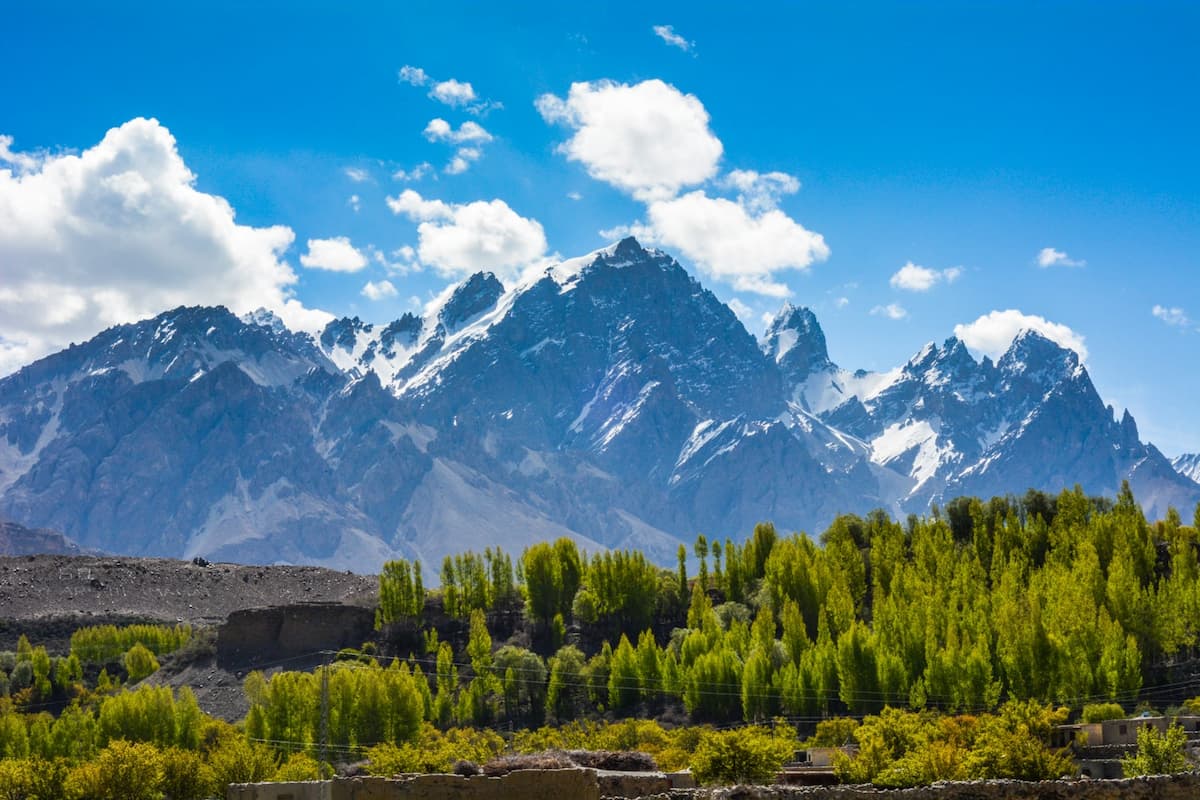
473	296
795	341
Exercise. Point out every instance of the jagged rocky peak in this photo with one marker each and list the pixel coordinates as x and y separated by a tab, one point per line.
1188	465
473	296
344	332
1032	351
265	319
795	341
404	331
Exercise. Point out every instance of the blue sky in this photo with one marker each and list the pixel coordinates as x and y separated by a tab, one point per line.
965	139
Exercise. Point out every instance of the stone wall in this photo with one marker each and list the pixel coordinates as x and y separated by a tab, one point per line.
255	636
557	784
582	784
1162	787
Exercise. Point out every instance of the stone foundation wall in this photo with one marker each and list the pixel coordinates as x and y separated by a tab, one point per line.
1161	787
557	784
583	784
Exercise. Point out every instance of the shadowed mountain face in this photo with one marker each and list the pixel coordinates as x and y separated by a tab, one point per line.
612	399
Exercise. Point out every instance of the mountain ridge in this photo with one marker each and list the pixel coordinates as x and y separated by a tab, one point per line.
611	398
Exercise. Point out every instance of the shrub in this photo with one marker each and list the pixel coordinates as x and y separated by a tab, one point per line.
1099	712
1157	753
744	755
122	771
186	776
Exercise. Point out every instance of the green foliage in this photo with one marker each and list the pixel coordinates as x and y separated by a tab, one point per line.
401	591
103	643
140	663
434	751
1099	712
899	748
121	771
1158	753
745	755
552	575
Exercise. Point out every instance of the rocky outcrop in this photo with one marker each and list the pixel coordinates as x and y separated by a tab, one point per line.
303	633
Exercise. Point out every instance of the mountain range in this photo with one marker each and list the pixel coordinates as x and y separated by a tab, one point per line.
611	399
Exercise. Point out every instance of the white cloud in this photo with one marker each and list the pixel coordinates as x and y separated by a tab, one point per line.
914	278
459	239
574	196
667	34
355	202
649	139
379	290
415	174
1049	257
760	191
726	241
1172	316
453	93
18	162
891	311
992	333
414	75
463	158
119	233
357	174
400	261
333	255
438	130
841	303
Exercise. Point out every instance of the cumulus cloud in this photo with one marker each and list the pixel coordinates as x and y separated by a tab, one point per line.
333	255
459	239
841	303
992	333
438	130
648	139
914	278
667	34
415	174
355	202
119	233
1172	316
469	133
891	311
731	244
414	75
1049	257
451	92
760	191
462	160
379	290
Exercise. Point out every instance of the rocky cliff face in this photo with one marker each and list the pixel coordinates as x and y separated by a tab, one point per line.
611	399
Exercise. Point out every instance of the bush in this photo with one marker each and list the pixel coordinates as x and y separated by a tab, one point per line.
435	751
122	771
299	767
186	776
1099	712
745	755
1157	753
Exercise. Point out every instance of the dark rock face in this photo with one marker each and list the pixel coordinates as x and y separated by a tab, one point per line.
612	399
255	636
17	540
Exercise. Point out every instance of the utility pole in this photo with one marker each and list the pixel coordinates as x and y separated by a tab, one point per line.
325	711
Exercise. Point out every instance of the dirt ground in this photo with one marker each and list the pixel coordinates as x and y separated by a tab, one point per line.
164	589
